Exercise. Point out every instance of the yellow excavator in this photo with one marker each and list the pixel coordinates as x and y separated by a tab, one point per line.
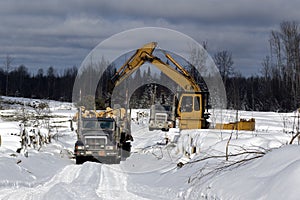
193	102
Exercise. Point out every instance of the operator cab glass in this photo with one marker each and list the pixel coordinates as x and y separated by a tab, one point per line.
190	103
187	104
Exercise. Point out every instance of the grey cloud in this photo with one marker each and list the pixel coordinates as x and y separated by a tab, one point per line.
62	32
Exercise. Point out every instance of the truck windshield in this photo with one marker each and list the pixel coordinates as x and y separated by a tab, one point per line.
97	124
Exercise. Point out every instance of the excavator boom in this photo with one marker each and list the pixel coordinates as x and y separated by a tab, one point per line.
133	63
145	54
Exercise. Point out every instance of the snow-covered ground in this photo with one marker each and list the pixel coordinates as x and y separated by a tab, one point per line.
152	171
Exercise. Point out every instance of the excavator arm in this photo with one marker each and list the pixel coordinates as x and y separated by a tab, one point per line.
144	54
133	63
185	82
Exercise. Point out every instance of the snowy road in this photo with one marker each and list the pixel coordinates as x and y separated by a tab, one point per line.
113	184
65	177
87	181
151	171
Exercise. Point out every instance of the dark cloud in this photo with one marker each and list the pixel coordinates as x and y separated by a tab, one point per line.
60	33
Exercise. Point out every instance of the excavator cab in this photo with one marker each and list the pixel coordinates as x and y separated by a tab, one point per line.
191	110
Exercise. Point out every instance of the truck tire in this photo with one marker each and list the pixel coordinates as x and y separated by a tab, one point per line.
79	160
117	160
112	160
126	148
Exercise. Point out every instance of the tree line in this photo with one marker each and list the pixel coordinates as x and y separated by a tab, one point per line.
19	82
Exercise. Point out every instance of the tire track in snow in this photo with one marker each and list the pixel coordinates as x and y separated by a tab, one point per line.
87	181
113	184
67	175
82	187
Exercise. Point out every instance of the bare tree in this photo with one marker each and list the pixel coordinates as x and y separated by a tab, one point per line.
296	125
198	57
285	56
224	62
266	70
276	50
7	65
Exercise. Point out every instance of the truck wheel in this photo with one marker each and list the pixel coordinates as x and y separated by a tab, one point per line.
125	153
79	160
112	160
117	160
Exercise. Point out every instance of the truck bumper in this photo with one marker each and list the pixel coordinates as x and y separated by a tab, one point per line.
102	156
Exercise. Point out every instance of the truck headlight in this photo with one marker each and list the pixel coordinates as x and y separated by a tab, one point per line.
109	147
79	147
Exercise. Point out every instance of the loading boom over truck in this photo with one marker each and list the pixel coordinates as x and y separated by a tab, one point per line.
106	135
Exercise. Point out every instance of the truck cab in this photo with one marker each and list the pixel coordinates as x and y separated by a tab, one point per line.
98	139
161	117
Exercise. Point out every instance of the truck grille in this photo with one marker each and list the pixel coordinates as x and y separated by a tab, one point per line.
95	143
161	117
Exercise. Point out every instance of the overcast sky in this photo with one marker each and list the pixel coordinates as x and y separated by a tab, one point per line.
60	33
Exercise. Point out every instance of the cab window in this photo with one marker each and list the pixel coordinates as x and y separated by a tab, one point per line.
186	104
197	103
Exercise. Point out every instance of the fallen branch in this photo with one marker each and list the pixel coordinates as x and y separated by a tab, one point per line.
229	155
243	161
225	164
294	137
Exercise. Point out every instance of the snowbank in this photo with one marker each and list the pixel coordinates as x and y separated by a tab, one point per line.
274	176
